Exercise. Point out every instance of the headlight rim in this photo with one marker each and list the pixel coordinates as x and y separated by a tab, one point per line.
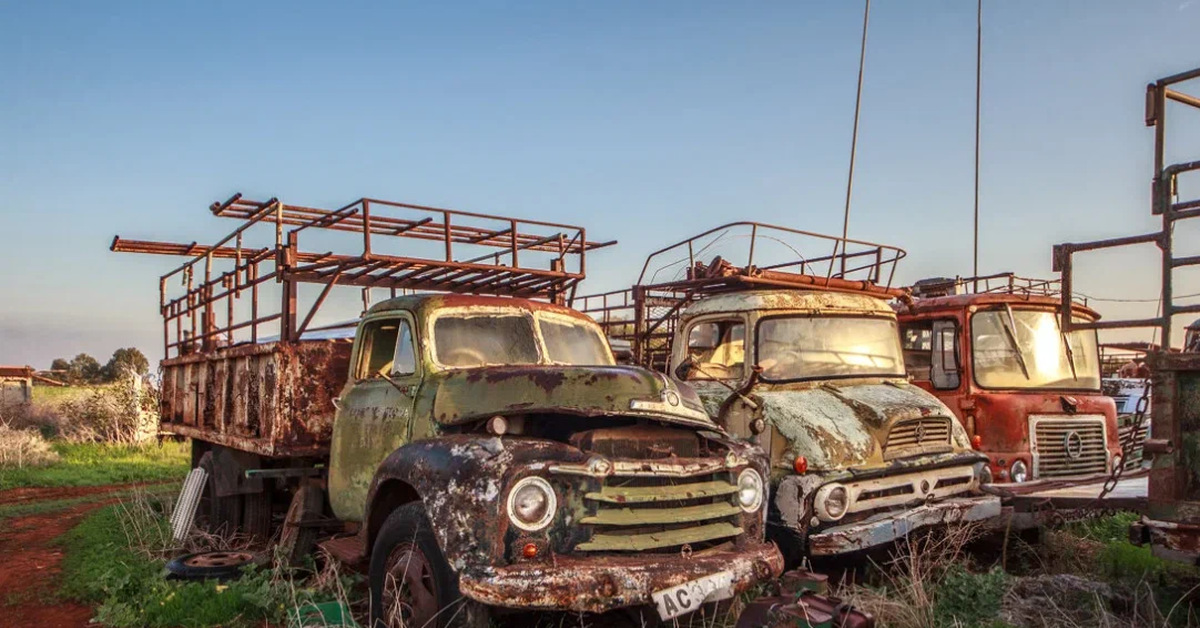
551	506
1012	471
760	497
822	497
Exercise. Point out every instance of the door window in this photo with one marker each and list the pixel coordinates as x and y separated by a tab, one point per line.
944	355
387	349
716	350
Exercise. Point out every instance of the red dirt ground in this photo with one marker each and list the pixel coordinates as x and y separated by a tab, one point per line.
30	560
27	495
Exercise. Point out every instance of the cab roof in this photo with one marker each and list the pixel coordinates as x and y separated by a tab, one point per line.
424	303
815	301
956	302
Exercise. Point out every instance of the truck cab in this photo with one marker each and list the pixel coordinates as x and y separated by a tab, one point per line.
1028	394
809	367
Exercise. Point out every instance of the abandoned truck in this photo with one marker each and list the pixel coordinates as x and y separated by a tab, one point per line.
477	451
1029	394
805	361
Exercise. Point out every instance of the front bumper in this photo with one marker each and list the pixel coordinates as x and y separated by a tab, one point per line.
601	583
887	527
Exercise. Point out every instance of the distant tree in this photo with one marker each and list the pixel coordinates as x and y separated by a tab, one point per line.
84	369
61	365
127	360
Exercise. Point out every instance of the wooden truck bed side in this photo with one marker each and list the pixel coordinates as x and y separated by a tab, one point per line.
273	399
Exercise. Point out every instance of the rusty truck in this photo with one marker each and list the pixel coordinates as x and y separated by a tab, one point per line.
796	348
477	448
994	350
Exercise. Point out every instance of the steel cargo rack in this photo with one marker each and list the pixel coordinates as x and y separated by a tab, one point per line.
763	256
460	252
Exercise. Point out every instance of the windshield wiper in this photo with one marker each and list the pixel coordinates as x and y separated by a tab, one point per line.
1010	332
1067	345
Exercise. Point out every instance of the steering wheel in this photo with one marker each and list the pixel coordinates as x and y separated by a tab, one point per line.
464	356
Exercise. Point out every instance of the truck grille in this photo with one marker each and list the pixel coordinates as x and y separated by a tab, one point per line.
661	514
1066	447
920	435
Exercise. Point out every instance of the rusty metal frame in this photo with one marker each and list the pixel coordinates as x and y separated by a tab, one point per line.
853	266
1164	203
190	318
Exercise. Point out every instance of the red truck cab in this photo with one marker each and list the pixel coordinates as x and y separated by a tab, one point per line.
1027	394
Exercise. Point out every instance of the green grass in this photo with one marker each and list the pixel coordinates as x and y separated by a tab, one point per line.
98	464
128	588
54	395
22	509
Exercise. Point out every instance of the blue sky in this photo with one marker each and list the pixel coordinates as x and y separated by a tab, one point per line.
643	122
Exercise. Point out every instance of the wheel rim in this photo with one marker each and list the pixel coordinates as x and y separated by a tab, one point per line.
219	559
409	591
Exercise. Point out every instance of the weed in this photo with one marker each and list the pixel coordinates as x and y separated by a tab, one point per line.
115	559
969	599
23	449
97	464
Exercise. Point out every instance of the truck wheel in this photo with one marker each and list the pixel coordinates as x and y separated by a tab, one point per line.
224	513
411	582
258	513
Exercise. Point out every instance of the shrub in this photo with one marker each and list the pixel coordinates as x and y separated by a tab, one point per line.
969	599
21	449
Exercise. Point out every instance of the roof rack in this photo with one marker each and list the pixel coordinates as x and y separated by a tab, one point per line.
399	247
646	315
999	283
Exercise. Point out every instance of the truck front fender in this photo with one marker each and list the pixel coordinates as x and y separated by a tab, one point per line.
462	480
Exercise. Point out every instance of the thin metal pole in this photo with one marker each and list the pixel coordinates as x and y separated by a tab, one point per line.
862	57
978	80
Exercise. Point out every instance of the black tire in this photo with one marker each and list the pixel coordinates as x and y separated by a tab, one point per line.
223	514
296	540
408	532
258	512
211	565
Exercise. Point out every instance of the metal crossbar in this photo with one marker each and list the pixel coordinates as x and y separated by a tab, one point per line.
524	258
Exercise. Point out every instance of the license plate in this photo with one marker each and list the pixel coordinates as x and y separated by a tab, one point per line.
689	596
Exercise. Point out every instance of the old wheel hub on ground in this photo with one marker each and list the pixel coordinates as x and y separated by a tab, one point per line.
219	559
409	594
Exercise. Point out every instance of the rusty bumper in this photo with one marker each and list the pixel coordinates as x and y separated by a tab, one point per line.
1169	540
887	527
599	584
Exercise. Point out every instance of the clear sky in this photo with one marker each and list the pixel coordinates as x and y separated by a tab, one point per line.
644	122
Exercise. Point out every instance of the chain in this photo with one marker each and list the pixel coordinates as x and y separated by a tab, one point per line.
1139	417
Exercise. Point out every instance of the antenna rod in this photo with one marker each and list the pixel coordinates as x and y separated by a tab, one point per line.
862	57
978	77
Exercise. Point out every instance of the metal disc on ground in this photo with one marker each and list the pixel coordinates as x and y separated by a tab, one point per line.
211	565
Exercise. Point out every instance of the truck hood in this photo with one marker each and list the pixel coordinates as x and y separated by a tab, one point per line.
470	394
846	426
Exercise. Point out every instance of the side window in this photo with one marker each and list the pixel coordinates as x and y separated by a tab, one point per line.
917	341
944	355
378	351
404	361
716	350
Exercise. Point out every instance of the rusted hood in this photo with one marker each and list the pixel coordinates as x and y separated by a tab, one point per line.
844	426
471	394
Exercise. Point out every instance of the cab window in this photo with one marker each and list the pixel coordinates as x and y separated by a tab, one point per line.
716	350
931	352
387	348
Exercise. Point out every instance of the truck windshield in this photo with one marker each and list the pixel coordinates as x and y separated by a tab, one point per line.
1027	349
463	341
806	347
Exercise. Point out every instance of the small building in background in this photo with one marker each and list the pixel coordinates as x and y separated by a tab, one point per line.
16	384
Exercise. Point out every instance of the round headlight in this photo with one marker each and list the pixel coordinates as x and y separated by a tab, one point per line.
1019	472
531	504
750	490
985	474
832	502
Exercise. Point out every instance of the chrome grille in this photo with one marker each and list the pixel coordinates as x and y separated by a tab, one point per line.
1052	457
923	433
661	514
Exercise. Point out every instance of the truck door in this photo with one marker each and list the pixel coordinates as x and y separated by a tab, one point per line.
375	411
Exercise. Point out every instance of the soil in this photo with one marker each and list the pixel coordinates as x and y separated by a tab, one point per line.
39	494
31	559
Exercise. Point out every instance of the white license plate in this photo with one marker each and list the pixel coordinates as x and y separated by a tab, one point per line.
689	596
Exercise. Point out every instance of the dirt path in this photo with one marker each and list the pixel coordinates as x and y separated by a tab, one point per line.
40	494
